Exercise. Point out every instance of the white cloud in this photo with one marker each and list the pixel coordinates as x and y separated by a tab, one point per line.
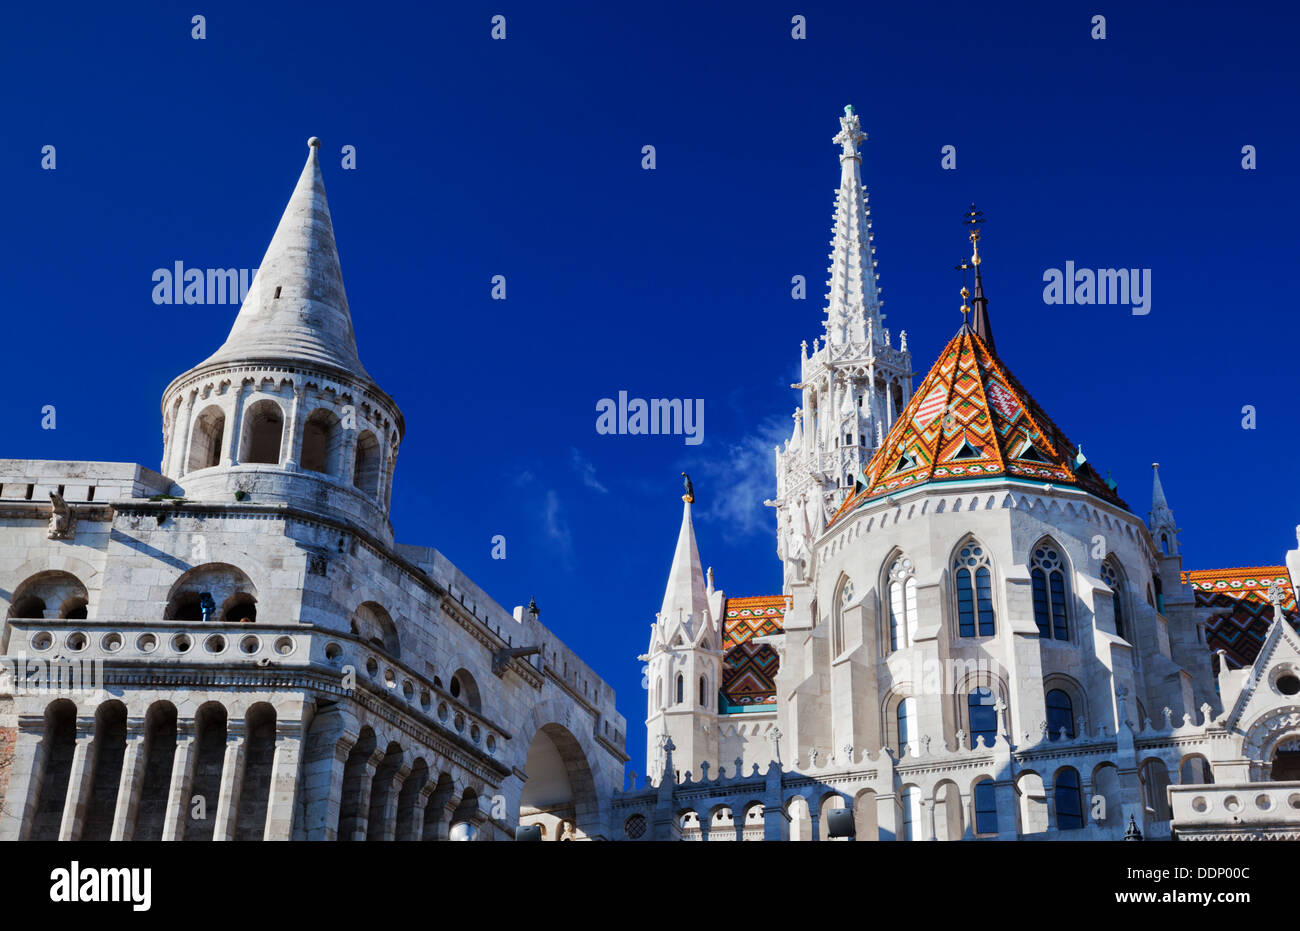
732	486
556	526
586	471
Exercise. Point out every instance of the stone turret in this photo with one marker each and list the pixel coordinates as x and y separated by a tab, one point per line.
284	412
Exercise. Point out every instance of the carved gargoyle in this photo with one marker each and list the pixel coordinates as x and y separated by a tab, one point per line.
63	521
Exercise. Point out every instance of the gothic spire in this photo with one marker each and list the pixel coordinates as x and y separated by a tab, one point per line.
854	298
1161	522
685	597
296	308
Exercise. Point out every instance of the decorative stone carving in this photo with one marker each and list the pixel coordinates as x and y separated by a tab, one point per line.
63	521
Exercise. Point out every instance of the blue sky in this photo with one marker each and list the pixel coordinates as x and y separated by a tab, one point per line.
522	158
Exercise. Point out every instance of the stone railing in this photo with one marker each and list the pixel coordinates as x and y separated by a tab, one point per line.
1243	810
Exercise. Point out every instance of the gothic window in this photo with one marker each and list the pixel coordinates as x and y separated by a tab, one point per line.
1110	574
681	695
322	441
659	693
1050	592
986	807
906	726
982	714
974	591
1160	594
703	702
1069	800
1164	543
1060	714
902	603
837	632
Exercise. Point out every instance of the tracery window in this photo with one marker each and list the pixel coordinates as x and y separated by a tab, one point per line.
1111	576
974	591
1050	592
902	603
982	714
1060	714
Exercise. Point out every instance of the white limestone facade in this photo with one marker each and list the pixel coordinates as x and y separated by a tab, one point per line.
237	648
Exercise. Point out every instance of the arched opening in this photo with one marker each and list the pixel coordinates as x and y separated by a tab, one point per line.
752	827
467	817
109	750
322	442
949	824
365	472
1196	770
375	626
436	815
864	816
1068	796
974	584
1060	715
464	688
381	824
831	801
909	801
800	815
230	595
1286	761
351	824
1031	800
263	432
900	594
259	761
560	788
210	757
984	806
681	689
56	749
982	716
159	754
703	693
1154	776
1113	576
1105	783
408	798
206	439
906	727
53	592
1050	591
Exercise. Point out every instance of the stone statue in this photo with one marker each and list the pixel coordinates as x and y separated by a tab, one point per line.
62	519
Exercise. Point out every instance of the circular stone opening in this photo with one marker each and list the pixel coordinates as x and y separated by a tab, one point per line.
77	641
146	643
1199	804
1288	684
284	646
43	640
333	651
372	667
250	644
408	690
491	744
474	733
111	643
1263	802
459	722
442	711
1294	800
390	678
1232	803
181	643
215	644
425	699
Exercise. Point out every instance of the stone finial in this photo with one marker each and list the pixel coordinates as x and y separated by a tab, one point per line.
1205	712
704	771
740	766
961	739
925	744
1000	707
847	749
1276	594
812	756
1042	730
1169	718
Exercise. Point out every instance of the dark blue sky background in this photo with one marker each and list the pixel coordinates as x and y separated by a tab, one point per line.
522	158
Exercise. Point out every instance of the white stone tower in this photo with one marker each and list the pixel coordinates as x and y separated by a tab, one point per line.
684	660
284	412
853	385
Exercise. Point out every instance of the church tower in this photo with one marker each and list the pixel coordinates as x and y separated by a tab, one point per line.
853	384
284	412
684	661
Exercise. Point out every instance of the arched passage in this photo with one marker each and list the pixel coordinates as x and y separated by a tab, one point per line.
109	749
560	786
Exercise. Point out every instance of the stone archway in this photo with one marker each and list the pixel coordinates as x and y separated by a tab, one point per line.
560	792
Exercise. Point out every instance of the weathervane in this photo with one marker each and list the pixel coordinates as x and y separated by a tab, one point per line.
689	497
973	219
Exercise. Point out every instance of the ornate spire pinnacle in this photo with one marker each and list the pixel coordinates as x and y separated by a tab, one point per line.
1161	518
980	319
854	298
296	308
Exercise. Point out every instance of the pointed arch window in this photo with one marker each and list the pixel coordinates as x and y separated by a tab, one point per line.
1060	715
1069	800
1111	575
974	591
703	693
902	603
681	689
837	632
906	726
1050	592
982	714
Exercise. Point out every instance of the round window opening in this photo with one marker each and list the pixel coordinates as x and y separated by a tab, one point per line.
1288	684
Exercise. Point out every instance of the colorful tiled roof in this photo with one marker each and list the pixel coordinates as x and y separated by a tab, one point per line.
972	419
1242	623
748	668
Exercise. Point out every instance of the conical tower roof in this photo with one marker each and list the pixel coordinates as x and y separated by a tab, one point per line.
971	419
685	591
296	309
